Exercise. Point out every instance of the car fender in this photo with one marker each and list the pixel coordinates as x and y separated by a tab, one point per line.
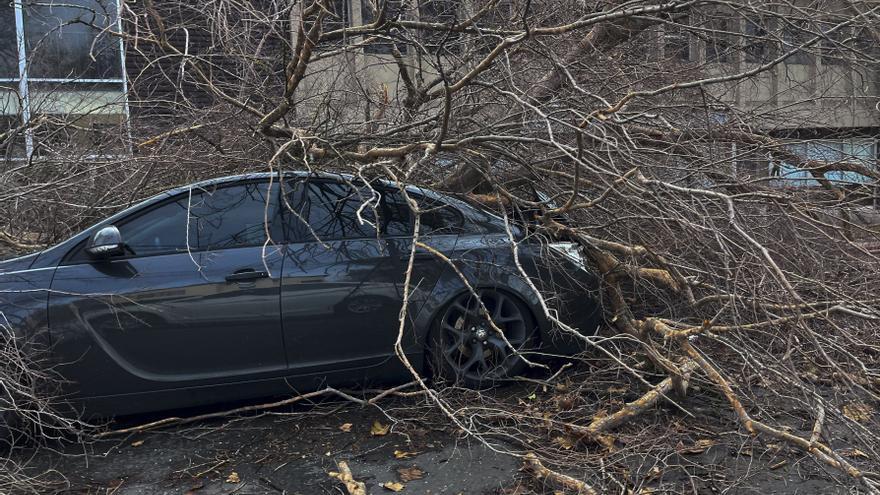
494	267
481	270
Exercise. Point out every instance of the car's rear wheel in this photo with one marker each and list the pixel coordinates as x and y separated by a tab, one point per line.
467	350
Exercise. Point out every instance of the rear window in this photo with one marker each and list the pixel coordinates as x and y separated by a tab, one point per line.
437	217
329	210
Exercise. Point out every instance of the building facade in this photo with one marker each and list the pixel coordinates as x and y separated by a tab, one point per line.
69	85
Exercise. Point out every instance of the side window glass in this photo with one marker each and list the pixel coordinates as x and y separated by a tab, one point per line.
158	231
329	211
438	218
395	215
231	217
219	218
332	210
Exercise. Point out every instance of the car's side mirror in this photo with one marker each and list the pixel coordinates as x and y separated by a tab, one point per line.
106	243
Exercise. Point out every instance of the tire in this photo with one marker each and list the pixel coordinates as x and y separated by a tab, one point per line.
465	350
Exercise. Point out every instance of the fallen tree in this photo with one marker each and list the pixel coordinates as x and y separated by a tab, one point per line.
728	210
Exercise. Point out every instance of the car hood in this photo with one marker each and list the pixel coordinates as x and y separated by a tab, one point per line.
18	264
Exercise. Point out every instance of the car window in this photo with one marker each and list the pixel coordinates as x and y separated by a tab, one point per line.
230	217
331	210
438	218
219	218
158	231
214	218
395	215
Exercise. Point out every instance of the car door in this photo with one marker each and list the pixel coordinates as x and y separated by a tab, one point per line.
343	282
194	302
340	293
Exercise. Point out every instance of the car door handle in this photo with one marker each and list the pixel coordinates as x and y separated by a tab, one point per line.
246	275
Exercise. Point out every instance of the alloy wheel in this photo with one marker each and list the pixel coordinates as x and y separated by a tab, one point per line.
471	348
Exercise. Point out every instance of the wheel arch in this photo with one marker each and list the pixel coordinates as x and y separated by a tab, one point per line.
580	307
444	294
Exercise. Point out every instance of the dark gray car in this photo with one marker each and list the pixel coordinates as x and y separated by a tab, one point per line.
257	285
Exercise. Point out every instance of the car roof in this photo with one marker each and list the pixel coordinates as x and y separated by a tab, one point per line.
294	173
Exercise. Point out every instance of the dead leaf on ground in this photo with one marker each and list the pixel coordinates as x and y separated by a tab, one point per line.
653	473
564	442
410	473
379	430
858	411
393	486
698	447
565	402
194	489
346	427
400	454
137	443
233	478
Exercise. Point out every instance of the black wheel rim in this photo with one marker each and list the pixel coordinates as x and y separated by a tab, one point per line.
471	348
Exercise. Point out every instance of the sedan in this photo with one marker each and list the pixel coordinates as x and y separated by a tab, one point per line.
258	285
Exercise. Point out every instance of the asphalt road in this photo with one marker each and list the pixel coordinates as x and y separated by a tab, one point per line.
291	453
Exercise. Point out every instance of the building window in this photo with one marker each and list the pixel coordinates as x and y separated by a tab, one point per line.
498	17
677	41
62	77
858	150
833	46
441	12
393	9
837	47
865	44
757	45
338	16
720	38
793	36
